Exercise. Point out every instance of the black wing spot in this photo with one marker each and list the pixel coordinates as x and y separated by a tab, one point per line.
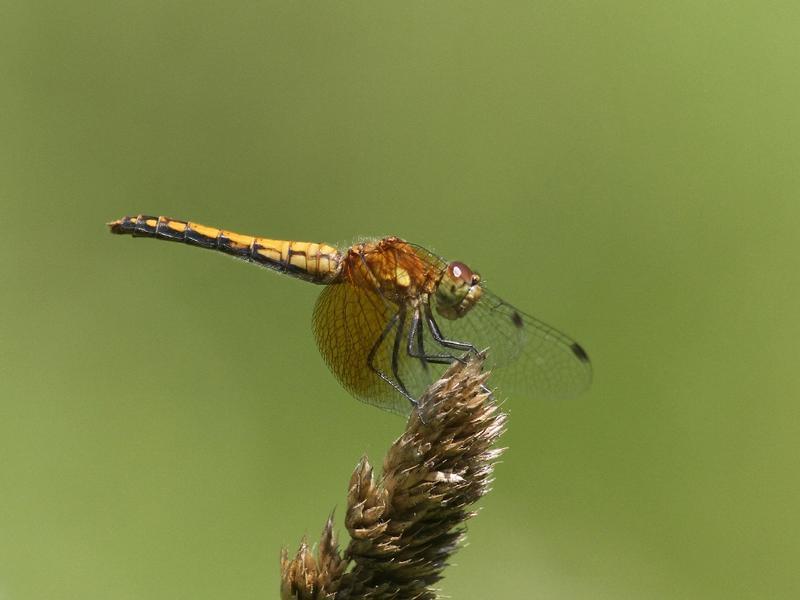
516	319
578	351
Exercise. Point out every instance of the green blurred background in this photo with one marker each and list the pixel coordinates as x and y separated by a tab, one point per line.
626	171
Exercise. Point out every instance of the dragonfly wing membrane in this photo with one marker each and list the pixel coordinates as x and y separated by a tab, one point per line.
357	333
527	356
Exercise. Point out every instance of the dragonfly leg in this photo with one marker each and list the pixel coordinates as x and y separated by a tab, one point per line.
415	333
401	321
456	345
443	341
398	385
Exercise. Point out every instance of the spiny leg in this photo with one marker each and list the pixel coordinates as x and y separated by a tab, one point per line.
436	333
399	387
415	332
415	335
443	341
401	321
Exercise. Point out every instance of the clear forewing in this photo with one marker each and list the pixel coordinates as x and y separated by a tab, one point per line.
350	321
527	357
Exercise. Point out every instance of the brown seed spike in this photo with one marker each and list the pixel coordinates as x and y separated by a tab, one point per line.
404	526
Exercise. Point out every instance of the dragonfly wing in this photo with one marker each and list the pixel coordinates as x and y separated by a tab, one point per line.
526	355
349	321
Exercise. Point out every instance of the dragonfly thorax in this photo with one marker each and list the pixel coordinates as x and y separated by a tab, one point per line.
392	268
457	291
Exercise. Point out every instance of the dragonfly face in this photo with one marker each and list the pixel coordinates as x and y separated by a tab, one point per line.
376	323
458	290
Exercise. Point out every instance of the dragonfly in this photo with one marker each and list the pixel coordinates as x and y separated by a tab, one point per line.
392	315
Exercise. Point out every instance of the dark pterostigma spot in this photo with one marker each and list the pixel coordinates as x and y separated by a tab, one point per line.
578	350
517	320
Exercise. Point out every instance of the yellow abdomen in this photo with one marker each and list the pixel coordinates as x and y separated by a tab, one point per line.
318	263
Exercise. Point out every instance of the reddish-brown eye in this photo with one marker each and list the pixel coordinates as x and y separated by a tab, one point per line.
459	270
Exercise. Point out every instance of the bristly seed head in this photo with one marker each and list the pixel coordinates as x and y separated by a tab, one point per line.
404	527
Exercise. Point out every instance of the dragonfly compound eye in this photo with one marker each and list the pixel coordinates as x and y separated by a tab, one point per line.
457	291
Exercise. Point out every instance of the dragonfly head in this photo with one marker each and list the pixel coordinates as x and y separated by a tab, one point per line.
458	290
